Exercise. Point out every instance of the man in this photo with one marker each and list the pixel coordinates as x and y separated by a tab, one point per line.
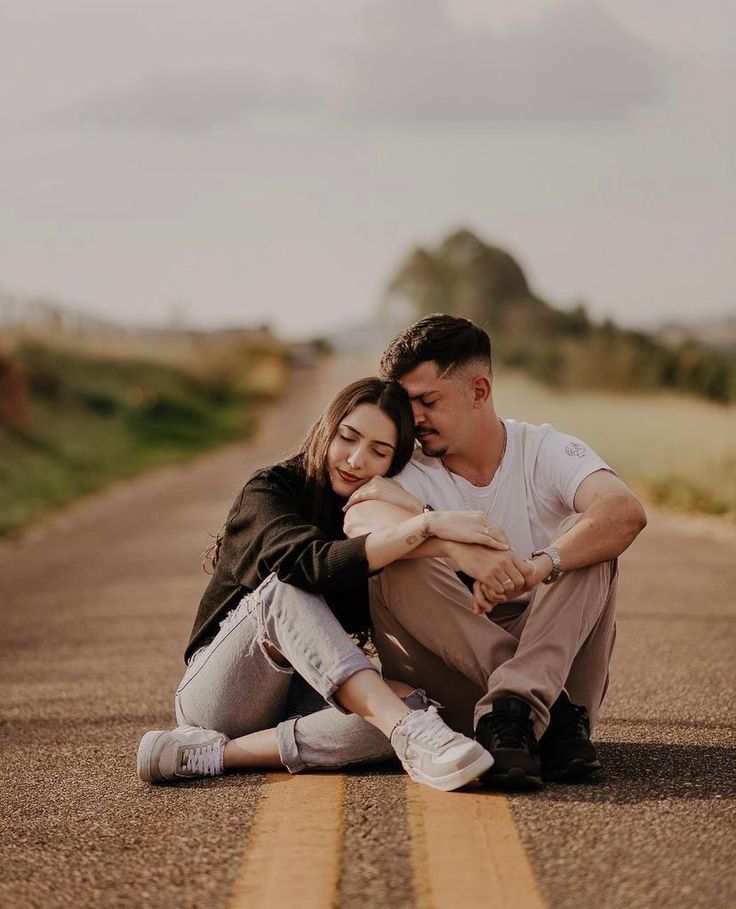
525	632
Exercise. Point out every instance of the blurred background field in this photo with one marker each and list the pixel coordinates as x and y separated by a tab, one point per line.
81	408
675	451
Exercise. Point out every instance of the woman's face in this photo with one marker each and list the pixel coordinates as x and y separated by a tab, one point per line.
363	447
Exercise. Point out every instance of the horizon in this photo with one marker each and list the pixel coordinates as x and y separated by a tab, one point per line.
375	318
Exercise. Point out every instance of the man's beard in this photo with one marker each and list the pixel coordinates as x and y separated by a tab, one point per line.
439	451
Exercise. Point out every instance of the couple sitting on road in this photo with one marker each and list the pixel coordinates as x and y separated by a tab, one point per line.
484	571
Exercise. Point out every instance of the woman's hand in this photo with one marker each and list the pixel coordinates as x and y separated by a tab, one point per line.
467	527
486	597
382	489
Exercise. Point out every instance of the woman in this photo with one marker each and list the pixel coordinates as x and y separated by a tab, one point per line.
273	677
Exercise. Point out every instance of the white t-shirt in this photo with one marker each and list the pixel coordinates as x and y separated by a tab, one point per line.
535	486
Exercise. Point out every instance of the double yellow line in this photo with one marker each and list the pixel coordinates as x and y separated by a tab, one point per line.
466	851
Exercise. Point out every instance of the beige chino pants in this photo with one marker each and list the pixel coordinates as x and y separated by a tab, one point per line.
427	635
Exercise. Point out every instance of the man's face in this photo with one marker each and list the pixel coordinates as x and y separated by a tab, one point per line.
443	409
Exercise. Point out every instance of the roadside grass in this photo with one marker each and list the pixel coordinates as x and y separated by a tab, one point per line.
675	451
99	418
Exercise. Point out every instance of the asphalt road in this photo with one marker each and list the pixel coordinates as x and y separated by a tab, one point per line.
97	606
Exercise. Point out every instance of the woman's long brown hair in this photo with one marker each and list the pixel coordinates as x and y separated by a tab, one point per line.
390	397
311	455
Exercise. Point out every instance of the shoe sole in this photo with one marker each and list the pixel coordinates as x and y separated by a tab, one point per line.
577	771
515	778
456	779
145	761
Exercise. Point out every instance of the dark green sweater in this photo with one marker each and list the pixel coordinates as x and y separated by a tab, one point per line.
270	529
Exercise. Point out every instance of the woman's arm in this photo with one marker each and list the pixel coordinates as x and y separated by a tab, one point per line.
387	544
268	530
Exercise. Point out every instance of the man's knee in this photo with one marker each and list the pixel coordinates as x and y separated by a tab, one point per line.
603	573
406	568
413	572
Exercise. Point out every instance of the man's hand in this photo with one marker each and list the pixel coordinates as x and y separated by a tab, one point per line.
381	489
486	597
503	575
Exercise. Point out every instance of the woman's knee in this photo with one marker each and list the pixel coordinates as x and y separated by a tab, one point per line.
274	655
276	596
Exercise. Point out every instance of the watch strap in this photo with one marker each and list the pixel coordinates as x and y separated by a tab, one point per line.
556	563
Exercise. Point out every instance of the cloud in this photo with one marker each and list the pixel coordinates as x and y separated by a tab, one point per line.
186	103
574	64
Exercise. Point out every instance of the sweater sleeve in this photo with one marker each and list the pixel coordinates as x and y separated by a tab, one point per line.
269	532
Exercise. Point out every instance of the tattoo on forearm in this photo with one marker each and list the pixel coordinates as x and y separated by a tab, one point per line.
425	532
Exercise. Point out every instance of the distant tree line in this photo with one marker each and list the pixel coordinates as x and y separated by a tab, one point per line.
563	348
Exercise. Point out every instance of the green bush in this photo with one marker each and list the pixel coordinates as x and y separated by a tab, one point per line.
96	419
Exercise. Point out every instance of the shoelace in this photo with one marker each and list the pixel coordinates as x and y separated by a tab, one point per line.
509	731
435	733
205	759
569	720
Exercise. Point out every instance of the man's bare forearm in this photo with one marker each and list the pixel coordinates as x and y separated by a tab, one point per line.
603	531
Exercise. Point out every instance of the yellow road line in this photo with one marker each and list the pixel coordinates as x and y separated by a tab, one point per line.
466	852
292	856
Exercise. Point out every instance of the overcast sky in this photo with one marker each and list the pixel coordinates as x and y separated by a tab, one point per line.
247	161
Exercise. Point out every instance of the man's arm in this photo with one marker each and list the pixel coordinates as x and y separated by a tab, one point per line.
611	517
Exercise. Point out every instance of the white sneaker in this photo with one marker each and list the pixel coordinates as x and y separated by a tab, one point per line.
183	753
436	755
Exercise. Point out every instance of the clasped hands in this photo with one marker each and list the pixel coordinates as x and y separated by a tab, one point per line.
499	577
476	545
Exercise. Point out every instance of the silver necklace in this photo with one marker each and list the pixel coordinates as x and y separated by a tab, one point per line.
497	477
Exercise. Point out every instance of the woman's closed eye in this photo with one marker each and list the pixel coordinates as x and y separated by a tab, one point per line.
381	454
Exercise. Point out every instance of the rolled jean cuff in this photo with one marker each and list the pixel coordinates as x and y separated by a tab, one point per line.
347	666
288	750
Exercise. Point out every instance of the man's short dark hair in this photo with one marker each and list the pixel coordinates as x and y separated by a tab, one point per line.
450	341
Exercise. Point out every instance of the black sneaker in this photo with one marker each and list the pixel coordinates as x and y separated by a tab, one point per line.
507	733
565	748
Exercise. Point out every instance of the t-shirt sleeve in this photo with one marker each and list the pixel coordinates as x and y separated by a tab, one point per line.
563	462
268	532
413	480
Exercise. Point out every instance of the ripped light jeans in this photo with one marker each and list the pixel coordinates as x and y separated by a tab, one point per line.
234	685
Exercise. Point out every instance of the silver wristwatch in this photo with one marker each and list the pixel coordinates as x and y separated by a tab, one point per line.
556	563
